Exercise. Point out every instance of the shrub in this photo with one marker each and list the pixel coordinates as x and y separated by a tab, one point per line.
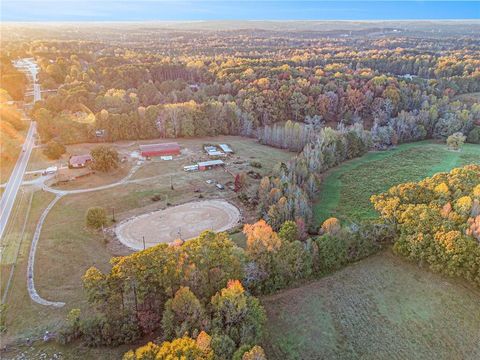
96	217
456	141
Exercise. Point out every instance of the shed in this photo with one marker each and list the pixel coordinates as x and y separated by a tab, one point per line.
208	165
226	149
160	149
216	153
79	161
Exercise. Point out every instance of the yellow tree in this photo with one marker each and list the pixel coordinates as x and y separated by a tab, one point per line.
261	238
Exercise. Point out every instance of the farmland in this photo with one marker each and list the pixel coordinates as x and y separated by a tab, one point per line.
237	266
342	194
67	248
370	310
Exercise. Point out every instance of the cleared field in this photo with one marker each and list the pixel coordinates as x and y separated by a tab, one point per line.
379	308
180	222
66	248
345	191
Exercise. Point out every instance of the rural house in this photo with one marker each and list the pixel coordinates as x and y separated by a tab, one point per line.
79	161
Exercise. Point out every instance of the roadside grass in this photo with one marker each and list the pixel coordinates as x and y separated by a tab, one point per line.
379	308
13	230
21	311
346	190
13	237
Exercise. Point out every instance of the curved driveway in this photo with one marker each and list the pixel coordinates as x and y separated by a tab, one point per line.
36	236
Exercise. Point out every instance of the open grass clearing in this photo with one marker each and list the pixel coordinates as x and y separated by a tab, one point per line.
67	248
346	190
379	308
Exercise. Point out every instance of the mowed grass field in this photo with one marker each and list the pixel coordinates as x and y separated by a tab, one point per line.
346	190
379	308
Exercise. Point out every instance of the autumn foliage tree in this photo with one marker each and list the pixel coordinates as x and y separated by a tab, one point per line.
104	158
437	221
181	348
184	314
237	314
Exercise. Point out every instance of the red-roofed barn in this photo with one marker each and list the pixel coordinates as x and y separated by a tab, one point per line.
160	149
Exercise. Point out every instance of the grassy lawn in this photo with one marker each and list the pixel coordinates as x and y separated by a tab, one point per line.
67	248
379	308
345	191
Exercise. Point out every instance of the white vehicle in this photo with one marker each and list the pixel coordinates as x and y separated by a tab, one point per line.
50	170
190	168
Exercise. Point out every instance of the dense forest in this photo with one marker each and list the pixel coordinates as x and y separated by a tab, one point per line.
399	88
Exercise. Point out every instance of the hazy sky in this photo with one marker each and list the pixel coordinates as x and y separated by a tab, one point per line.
137	10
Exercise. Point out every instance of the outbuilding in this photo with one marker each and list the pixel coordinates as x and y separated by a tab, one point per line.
79	161
208	165
164	149
226	149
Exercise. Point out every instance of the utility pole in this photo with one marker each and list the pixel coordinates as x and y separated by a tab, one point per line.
113	214
171	183
143	239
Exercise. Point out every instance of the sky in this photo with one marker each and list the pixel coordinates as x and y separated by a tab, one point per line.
151	10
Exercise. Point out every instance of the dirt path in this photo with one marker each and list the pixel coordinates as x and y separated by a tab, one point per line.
179	222
36	236
31	259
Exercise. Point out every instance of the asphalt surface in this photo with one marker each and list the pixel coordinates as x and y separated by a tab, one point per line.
13	184
30	68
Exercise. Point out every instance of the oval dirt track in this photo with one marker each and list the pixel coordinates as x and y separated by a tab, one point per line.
184	221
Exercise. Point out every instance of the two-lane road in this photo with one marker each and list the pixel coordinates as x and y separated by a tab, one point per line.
11	189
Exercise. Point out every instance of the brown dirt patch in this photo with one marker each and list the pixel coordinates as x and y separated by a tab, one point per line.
183	221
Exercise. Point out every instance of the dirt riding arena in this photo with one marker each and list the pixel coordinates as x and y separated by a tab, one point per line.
183	221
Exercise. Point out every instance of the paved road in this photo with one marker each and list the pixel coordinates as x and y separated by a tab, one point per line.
30	68
11	189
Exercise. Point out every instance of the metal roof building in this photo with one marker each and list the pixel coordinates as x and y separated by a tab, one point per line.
207	165
150	150
226	149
